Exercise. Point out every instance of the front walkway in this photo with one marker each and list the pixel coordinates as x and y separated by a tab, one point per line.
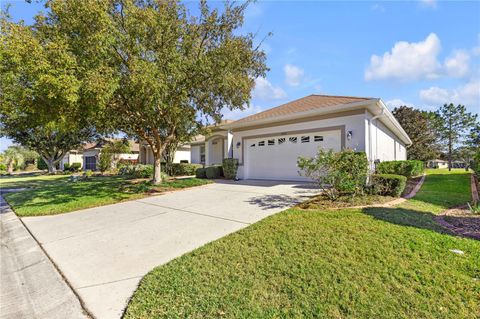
31	287
105	251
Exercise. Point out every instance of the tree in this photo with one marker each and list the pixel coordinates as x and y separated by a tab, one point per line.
473	138
47	99
172	67
13	157
453	122
419	128
114	149
465	154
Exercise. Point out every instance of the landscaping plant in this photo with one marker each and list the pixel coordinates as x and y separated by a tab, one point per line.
389	184
336	173
230	167
406	168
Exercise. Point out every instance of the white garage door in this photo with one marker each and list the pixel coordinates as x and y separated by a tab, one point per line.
275	157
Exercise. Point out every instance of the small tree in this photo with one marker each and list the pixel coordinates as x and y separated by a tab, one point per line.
338	173
419	127
171	67
453	122
13	157
114	149
105	161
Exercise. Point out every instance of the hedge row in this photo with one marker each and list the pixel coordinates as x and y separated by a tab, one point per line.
210	172
406	168
389	184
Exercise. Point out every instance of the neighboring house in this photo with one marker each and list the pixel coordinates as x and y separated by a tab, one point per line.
438	163
90	154
146	155
267	144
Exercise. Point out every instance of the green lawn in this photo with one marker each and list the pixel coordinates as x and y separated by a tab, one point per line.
439	183
351	263
55	194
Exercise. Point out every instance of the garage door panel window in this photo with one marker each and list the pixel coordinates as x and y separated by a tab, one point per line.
305	139
271	142
281	140
318	138
293	139
253	145
261	143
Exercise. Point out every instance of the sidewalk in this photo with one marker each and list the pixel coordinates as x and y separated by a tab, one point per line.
31	286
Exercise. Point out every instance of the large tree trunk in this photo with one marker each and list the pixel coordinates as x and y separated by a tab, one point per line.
51	166
157	168
10	167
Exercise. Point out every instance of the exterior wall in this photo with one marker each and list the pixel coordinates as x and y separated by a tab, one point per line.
182	154
146	157
195	154
70	158
386	146
353	123
127	156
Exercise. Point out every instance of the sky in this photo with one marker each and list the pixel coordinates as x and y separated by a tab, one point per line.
415	53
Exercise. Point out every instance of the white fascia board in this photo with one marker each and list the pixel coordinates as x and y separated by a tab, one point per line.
391	122
299	115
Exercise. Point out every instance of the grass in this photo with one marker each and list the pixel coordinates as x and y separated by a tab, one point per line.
56	194
349	263
439	182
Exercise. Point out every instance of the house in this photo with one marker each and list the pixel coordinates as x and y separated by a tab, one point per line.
437	163
267	144
89	154
182	155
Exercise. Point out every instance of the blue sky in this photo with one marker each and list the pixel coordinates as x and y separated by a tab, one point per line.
420	53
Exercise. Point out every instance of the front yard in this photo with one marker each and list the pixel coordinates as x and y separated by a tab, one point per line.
376	262
55	194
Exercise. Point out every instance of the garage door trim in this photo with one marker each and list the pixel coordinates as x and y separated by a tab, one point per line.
313	130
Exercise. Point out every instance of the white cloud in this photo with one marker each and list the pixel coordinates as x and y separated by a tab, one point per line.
293	74
377	7
391	104
407	61
467	94
264	90
458	64
429	3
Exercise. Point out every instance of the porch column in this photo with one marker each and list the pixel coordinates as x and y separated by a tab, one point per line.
229	144
207	152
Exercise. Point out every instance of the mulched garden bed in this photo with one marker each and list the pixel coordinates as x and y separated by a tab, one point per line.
322	202
460	221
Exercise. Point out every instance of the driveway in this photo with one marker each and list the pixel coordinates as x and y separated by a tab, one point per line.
105	251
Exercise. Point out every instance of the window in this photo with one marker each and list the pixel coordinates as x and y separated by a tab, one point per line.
281	140
202	154
261	143
293	139
318	138
253	145
271	142
305	139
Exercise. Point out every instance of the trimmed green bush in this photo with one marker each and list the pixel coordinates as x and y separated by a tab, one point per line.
212	172
182	169
336	173
41	165
143	171
66	167
406	168
201	172
3	167
230	167
75	167
389	184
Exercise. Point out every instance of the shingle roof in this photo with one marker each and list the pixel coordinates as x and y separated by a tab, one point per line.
304	104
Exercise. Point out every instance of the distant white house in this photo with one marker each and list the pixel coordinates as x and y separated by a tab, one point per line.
267	144
89	154
437	163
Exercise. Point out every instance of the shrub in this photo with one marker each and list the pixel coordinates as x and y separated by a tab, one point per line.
88	173
212	172
3	167
182	169
389	184
105	161
41	165
201	172
230	167
183	161
406	168
75	167
342	173
66	166
143	171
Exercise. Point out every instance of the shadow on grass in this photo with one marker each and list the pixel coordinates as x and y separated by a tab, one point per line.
405	217
276	201
63	191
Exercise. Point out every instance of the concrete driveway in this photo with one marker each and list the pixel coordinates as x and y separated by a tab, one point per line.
105	251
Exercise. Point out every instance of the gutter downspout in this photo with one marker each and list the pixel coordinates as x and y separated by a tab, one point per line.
370	152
